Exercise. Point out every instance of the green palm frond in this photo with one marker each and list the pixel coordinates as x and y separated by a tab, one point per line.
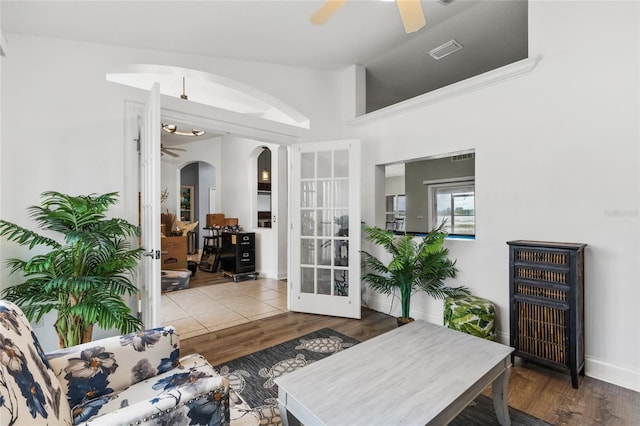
121	285
61	212
372	263
382	238
24	237
108	312
379	283
117	227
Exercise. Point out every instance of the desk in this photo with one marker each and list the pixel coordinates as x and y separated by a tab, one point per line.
418	374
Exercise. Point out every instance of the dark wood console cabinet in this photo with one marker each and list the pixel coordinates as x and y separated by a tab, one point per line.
546	294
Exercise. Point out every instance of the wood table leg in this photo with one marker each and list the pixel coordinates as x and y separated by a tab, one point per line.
500	400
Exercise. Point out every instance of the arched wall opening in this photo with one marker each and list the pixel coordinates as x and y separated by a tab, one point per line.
197	186
209	89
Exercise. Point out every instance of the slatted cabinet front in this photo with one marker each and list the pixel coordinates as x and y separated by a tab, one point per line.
546	288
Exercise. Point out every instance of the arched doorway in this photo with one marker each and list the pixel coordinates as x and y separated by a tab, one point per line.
197	189
227	126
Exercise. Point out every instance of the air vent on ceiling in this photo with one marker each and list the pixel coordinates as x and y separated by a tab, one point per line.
445	49
461	157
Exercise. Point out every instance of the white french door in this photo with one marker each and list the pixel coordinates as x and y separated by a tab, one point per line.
324	242
150	210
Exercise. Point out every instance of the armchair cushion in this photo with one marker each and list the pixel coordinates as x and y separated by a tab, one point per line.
192	393
109	365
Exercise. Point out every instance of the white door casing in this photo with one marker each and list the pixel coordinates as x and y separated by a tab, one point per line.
324	267
150	210
212	200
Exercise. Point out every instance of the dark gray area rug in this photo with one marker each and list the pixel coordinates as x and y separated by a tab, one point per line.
254	400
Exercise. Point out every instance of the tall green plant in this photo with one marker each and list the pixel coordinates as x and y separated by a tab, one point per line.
417	264
85	277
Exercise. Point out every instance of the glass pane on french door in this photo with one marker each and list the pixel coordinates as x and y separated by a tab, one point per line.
324	218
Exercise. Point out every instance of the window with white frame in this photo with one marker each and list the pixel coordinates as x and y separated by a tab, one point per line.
453	201
396	209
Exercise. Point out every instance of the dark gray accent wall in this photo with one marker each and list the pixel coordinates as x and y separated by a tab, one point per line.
419	171
189	175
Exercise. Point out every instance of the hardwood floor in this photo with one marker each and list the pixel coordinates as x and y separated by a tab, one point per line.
540	392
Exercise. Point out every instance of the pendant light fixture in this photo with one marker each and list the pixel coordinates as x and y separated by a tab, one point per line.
173	129
184	94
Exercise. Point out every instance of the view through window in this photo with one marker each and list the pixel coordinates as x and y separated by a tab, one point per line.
454	204
396	205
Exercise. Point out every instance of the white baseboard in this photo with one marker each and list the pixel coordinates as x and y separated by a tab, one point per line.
615	374
502	337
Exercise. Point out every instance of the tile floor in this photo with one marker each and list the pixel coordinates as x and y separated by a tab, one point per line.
200	310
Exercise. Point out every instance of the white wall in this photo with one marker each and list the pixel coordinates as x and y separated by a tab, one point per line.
63	123
557	159
2	55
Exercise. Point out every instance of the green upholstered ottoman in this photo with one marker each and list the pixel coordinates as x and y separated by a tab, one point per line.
472	315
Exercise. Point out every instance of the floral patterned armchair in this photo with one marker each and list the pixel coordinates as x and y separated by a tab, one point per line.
137	378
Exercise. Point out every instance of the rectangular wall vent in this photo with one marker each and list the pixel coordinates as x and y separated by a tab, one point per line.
445	49
461	157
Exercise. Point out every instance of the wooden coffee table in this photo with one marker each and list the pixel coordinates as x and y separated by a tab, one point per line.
418	374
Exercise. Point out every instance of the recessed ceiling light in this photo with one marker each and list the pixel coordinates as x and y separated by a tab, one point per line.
445	49
173	129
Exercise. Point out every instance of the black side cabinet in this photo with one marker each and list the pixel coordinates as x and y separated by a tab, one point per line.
546	294
239	254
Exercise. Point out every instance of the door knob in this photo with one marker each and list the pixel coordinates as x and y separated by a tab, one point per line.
154	254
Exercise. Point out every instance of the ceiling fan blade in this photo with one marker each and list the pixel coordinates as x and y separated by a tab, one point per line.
411	14
171	148
173	154
326	11
167	151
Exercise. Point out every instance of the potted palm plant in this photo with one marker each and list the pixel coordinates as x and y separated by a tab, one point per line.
417	264
83	277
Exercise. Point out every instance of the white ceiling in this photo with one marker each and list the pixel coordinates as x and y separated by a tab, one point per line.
258	30
365	32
